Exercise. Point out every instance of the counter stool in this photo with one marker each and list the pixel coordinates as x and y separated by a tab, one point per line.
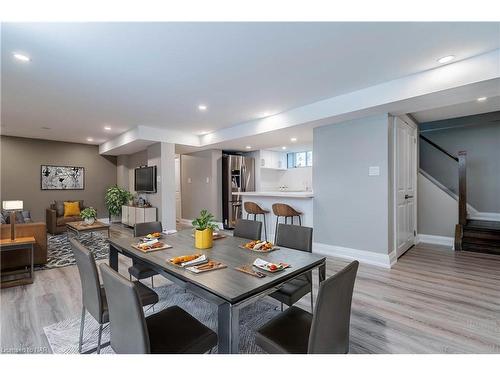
286	211
254	209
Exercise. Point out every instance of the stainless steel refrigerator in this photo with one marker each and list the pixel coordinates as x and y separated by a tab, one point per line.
238	175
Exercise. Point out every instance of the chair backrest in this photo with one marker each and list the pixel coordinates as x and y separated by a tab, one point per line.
295	237
248	229
129	332
332	314
142	229
89	277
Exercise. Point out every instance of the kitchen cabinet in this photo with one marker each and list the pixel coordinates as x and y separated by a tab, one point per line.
132	215
273	159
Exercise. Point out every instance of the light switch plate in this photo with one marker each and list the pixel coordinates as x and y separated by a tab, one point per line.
374	171
189	180
207	180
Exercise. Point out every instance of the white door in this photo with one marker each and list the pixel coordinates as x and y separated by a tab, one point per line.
405	185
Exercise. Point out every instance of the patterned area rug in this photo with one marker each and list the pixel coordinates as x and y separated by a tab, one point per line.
63	336
59	252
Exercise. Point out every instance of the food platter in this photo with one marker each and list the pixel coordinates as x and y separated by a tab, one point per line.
259	246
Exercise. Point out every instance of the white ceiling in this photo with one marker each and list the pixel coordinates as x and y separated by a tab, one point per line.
458	110
85	75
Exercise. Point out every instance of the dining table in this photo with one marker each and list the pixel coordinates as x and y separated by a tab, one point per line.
227	288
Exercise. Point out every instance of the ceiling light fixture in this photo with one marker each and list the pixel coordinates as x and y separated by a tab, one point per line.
21	57
45	128
293	139
248	147
445	59
90	139
283	148
107	128
482	99
202	107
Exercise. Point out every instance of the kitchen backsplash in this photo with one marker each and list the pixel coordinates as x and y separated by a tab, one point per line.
295	179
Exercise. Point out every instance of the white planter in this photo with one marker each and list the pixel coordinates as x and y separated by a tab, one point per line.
89	221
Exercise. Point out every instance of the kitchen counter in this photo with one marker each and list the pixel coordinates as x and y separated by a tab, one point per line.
284	194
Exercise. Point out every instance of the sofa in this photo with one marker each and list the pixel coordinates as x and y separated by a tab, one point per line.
54	215
11	260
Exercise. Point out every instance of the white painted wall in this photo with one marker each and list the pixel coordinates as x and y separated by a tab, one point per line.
296	179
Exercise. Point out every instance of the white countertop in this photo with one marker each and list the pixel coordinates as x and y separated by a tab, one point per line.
282	194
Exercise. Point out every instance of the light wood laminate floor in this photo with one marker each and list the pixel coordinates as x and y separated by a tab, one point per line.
433	300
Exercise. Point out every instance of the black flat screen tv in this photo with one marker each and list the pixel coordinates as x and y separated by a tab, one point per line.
145	180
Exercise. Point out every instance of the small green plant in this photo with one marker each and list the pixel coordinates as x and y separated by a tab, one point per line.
115	198
88	213
205	221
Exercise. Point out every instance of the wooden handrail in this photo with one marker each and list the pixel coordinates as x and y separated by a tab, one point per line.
462	188
438	147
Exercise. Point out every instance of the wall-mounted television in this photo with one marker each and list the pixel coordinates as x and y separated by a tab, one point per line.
145	180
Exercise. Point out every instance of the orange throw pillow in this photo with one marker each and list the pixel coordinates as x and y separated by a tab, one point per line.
71	209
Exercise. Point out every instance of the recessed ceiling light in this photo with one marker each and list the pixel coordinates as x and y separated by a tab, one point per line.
107	128
445	59
293	139
21	57
90	139
283	148
248	147
482	99
202	107
45	128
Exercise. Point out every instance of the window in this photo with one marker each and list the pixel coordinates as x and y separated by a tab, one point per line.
299	159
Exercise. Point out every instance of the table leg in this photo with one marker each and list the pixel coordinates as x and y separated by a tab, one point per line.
228	330
322	272
32	272
113	257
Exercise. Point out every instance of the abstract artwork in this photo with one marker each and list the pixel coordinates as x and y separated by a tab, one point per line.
62	178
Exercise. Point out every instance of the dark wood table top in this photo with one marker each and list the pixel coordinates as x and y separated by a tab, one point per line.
228	283
18	241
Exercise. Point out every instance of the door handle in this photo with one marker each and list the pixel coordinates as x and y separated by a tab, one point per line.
408	196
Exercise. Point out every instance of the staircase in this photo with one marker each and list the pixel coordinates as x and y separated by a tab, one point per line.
470	234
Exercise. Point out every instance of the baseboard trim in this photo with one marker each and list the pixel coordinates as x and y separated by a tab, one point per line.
436	240
490	216
363	256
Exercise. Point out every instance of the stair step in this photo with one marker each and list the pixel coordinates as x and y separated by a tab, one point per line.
481	241
483	225
480	248
484	235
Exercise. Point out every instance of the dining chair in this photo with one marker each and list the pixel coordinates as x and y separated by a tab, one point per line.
297	331
94	299
139	270
248	229
170	331
298	238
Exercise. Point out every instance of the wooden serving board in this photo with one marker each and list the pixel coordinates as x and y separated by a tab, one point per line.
165	246
248	270
210	266
259	251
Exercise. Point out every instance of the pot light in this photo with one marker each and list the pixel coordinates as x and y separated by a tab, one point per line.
248	147
107	128
21	57
482	99
283	148
293	139
202	107
445	59
90	139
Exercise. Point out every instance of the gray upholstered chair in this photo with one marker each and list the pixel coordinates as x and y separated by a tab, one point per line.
138	269
298	238
248	229
171	331
93	296
296	331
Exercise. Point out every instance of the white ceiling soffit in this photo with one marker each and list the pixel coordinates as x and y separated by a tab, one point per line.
491	104
446	85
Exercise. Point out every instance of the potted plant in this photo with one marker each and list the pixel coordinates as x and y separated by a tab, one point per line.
204	226
88	215
115	198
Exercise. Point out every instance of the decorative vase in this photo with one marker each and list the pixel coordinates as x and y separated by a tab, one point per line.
203	239
89	220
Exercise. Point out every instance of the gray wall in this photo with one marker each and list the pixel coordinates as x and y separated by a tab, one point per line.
199	194
351	209
437	211
482	144
21	159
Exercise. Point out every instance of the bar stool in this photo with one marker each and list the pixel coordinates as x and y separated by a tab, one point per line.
286	211
254	209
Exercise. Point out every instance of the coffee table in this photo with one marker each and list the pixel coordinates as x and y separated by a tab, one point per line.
79	227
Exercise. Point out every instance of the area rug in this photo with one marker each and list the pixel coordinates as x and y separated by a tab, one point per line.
63	336
59	252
